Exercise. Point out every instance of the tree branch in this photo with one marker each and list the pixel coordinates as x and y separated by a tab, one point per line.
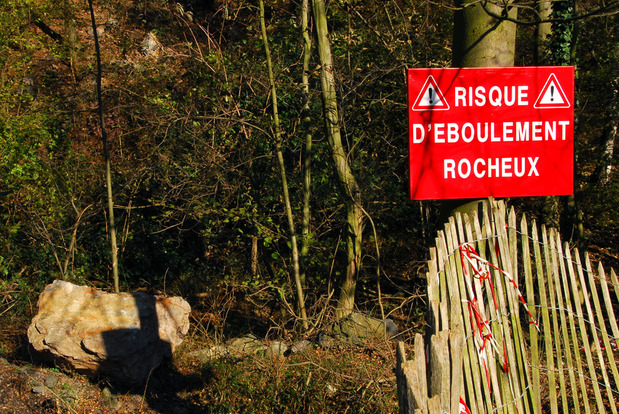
609	9
46	29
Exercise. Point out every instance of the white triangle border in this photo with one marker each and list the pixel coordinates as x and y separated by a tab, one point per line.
567	103
439	93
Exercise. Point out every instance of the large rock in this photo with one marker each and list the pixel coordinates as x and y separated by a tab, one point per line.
120	336
359	328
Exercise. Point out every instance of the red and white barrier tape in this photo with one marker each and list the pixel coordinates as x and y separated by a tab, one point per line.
480	324
464	409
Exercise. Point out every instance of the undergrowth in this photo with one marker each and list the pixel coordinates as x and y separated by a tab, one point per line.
357	380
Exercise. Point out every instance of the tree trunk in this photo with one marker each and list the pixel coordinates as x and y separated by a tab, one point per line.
574	210
307	124
282	172
254	257
354	211
542	32
480	40
106	156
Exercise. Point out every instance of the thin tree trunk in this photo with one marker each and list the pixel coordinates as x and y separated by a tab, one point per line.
607	154
307	123
70	254
254	257
551	214
282	171
542	31
354	211
106	156
574	208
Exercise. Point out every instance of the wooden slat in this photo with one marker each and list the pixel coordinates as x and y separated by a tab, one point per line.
597	342
442	321
440	259
433	317
411	379
481	388
578	293
440	369
434	405
443	260
512	394
615	282
405	394
608	302
508	263
552	280
524	373
420	369
456	344
432	276
545	326
468	229
610	316
444	286
432	280
530	298
565	313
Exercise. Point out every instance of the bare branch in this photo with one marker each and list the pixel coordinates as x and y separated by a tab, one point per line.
609	9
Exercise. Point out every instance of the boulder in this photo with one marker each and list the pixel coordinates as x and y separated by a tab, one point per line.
119	336
205	355
246	345
358	328
301	346
276	350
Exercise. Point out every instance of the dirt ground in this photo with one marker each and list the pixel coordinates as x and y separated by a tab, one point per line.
30	389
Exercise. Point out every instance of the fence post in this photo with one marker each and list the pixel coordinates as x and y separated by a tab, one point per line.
412	379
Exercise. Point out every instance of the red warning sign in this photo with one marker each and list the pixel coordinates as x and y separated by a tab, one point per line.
501	132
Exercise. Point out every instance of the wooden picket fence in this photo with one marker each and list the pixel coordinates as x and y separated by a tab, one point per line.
517	323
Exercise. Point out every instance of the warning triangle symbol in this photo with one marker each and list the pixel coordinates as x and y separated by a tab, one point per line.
430	97
552	95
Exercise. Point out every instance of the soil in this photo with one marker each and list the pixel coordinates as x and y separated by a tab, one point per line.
30	389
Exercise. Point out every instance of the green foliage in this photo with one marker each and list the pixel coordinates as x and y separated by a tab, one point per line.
192	146
561	42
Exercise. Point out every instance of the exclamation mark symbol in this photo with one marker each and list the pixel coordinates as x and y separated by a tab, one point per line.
552	93
430	92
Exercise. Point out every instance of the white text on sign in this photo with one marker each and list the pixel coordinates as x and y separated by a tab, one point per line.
495	96
519	131
491	167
